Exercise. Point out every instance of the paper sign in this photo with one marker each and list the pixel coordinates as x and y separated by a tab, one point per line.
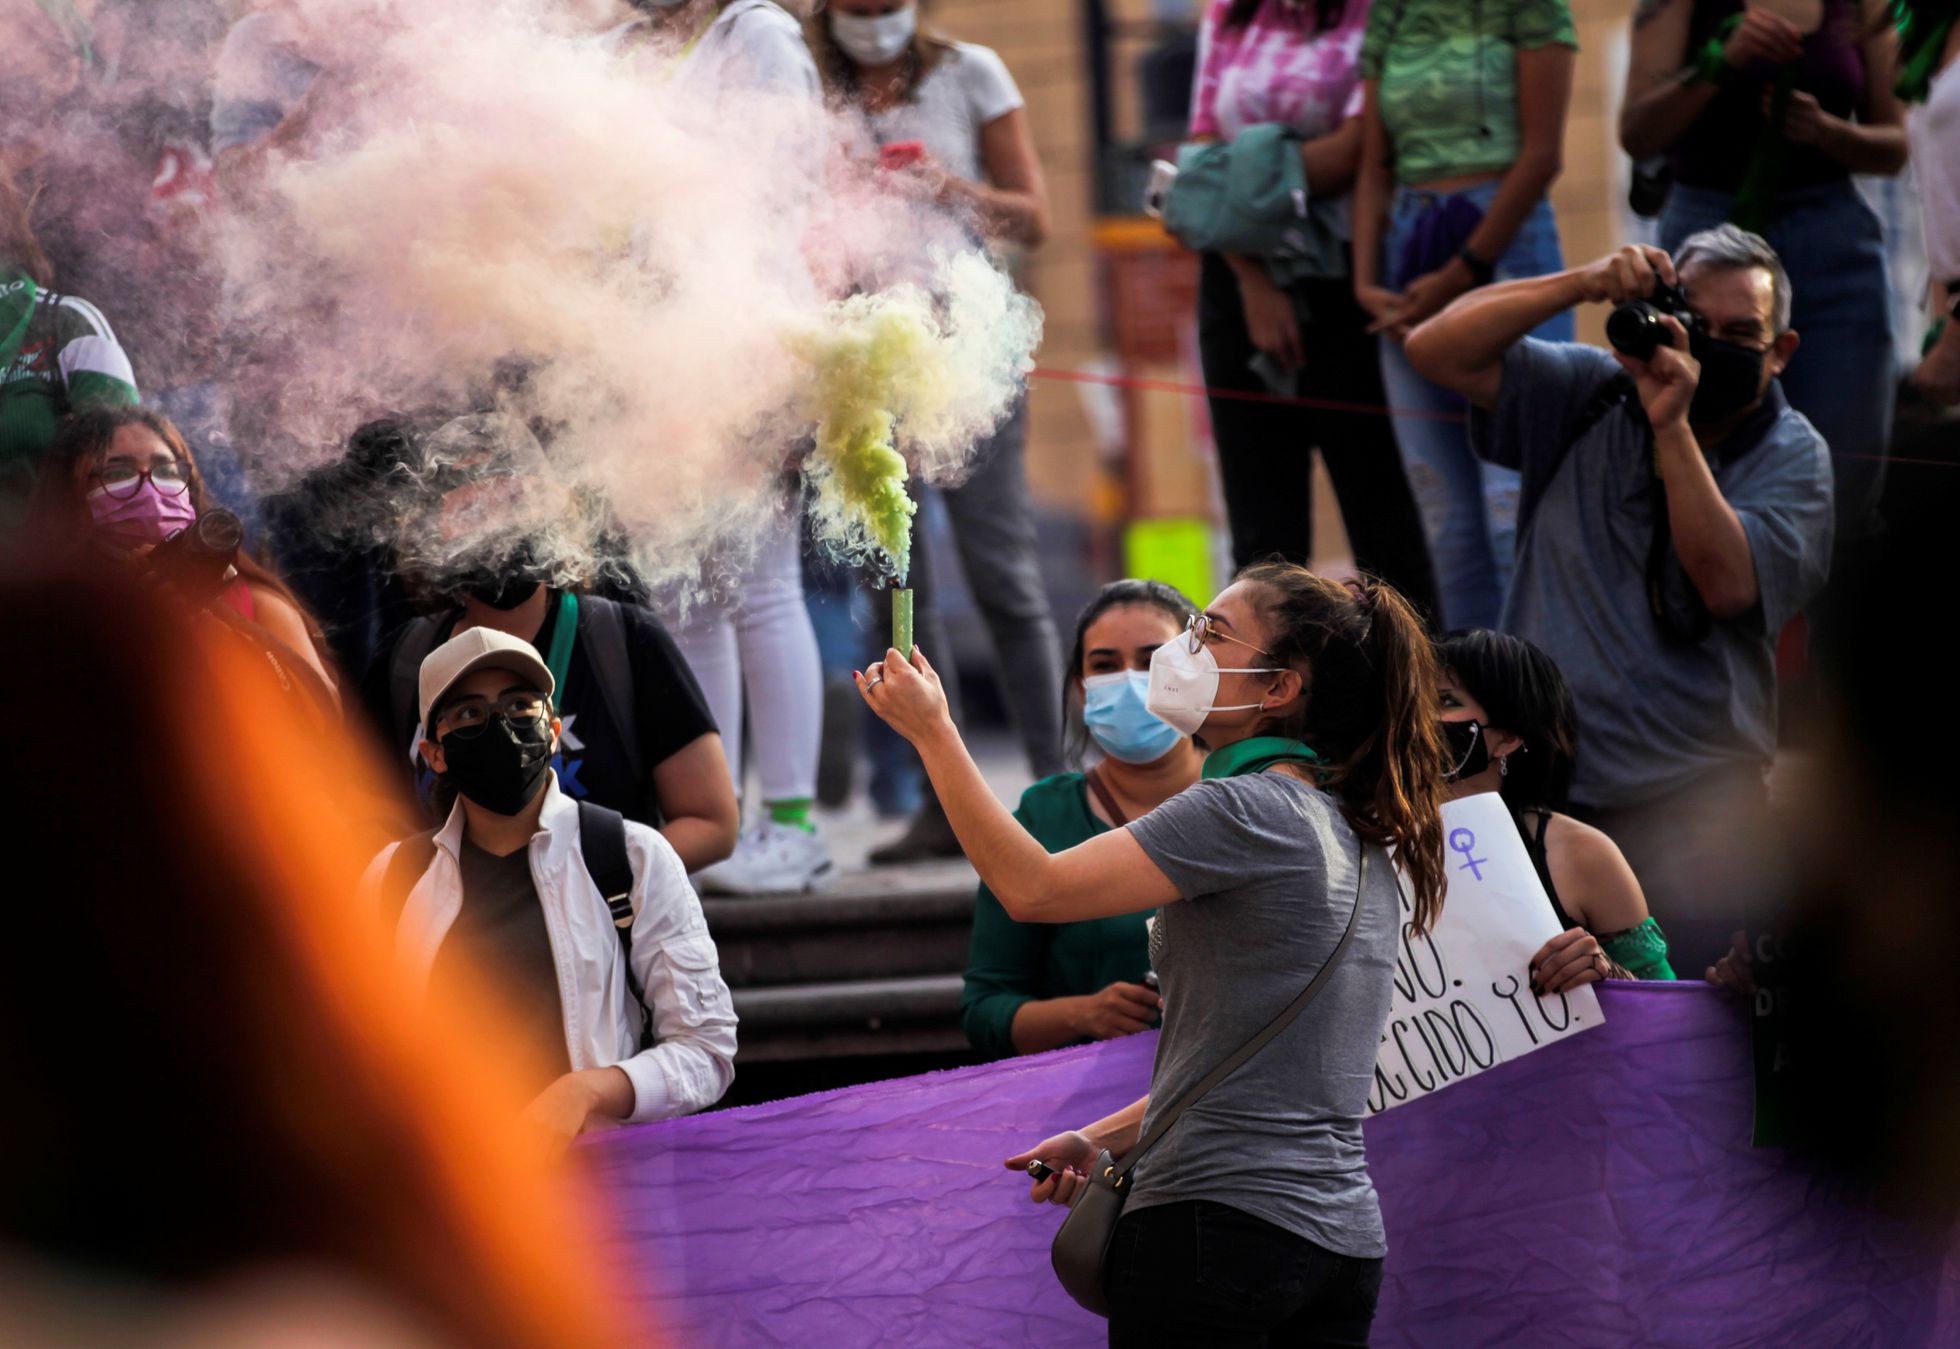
1463	999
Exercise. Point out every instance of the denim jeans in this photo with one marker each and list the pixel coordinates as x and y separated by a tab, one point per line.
1204	1273
1469	508
1845	373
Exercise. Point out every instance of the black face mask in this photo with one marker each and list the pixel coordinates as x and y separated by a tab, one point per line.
500	590
1731	378
502	766
503	579
1467	750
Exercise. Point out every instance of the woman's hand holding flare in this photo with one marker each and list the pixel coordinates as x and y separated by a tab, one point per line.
907	696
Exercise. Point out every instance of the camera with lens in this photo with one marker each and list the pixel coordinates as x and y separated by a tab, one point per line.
1636	329
200	556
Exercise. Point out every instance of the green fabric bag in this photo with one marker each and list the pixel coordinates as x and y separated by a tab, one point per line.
1249	195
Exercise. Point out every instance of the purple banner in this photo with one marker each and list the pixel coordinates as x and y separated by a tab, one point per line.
1599	1191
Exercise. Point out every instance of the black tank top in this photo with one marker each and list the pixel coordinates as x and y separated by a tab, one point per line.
1534	845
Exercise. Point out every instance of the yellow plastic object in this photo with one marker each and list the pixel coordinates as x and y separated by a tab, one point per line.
1175	550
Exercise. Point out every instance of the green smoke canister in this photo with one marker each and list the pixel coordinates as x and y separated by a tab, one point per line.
902	622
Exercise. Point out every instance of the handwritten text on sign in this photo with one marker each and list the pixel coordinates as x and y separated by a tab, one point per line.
1463	999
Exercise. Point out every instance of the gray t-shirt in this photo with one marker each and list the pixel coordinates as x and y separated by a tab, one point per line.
1654	714
967	89
1267	865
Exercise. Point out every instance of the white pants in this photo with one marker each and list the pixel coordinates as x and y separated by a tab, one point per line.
761	638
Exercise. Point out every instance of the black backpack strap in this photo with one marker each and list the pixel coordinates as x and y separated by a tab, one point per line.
418	639
408	865
1608	396
602	844
602	632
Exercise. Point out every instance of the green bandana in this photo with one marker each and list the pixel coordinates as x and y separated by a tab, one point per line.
1256	756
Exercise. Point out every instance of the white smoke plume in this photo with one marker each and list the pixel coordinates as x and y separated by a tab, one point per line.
485	205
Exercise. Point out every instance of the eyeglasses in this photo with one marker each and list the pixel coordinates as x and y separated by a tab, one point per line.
124	480
467	717
1200	632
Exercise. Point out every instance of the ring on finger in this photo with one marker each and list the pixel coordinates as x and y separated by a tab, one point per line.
874	681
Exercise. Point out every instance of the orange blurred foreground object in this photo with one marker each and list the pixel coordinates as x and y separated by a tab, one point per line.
212	1069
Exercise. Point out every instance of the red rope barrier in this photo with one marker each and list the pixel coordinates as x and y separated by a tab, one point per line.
1335	405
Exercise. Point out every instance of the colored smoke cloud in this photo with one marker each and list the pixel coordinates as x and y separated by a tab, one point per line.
489	208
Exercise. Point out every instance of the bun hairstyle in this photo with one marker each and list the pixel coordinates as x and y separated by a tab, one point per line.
1369	708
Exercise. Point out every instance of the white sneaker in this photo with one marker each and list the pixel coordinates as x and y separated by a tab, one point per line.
771	859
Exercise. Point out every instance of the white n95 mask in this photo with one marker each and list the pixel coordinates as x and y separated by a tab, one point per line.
1184	682
875	39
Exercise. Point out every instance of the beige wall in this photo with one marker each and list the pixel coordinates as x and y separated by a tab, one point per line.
1041	42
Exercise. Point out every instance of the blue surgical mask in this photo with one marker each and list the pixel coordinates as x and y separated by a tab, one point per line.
1122	727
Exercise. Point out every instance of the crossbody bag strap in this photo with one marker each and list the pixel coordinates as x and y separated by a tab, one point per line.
1108	798
1255	1044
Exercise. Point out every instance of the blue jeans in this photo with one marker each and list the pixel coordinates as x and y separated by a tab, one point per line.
1845	373
1469	508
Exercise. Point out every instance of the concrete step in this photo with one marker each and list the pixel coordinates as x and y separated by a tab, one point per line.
850	1017
877	924
872	967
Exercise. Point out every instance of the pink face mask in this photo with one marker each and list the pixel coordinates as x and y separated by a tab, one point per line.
147	516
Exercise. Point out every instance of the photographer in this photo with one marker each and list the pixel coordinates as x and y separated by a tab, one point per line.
1675	513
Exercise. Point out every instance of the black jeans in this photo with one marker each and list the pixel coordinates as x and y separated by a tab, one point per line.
1203	1273
1265	450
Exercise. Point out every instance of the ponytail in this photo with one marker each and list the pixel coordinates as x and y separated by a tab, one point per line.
1408	792
1370	708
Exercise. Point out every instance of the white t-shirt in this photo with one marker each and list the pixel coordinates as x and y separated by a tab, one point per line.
967	89
753	45
1933	131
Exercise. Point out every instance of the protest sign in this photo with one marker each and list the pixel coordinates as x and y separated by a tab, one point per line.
1463	999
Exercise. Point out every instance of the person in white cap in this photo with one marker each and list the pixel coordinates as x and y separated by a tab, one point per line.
584	919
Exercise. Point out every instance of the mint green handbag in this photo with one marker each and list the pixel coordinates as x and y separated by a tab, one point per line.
1249	195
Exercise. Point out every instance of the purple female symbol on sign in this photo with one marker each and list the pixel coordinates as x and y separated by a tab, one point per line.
1463	841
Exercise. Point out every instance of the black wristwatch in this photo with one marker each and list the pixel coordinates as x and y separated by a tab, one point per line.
1481	271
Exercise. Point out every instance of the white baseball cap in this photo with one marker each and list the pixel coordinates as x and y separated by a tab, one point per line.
479	649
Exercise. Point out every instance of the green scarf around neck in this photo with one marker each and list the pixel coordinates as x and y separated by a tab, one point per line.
1256	756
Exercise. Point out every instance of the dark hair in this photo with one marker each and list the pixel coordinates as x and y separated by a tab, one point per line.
1369	710
1326	13
1152	594
840	73
60	517
1524	693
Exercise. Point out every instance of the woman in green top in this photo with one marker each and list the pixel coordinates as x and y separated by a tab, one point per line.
1463	115
1036	986
1509	720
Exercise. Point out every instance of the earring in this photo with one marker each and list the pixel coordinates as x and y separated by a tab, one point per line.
1504	767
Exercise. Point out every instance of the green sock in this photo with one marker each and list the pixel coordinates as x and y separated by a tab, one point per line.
794	813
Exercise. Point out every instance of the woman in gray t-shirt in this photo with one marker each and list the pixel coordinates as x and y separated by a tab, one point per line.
1254	1214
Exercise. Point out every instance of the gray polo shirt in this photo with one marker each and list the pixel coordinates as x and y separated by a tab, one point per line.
1267	867
1654	714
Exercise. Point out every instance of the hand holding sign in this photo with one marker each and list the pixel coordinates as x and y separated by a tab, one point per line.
1464	997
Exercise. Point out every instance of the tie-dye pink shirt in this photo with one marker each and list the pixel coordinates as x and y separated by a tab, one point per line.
1279	67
